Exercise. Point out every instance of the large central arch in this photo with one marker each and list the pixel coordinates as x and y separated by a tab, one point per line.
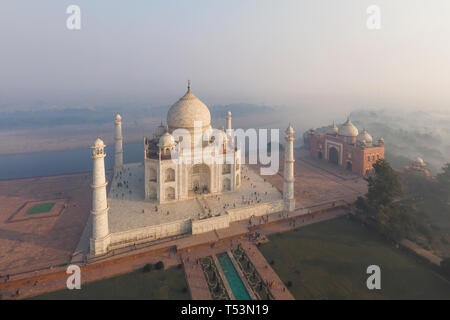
199	179
333	155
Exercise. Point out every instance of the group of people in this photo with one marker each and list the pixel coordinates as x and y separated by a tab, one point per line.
123	183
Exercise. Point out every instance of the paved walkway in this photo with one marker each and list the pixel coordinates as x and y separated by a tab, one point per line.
300	221
278	290
195	278
421	252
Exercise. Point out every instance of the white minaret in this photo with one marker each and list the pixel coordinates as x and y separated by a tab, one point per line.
228	120
100	231
288	188
118	159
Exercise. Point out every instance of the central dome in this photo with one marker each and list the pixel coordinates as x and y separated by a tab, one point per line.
348	129
186	111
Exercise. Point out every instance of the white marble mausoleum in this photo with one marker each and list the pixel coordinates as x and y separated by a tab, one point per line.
191	180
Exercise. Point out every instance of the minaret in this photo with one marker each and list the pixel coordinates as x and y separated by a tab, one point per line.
229	132
228	121
288	188
118	159
100	231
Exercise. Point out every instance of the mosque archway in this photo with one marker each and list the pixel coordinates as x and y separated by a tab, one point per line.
320	155
199	179
152	193
349	166
170	193
170	175
152	175
333	155
226	168
226	185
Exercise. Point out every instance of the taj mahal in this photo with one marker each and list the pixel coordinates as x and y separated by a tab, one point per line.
176	190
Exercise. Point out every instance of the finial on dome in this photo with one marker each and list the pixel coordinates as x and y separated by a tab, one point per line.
189	85
166	129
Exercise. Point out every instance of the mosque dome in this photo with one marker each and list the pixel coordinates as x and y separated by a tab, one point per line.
419	162
186	111
365	136
166	140
348	129
332	129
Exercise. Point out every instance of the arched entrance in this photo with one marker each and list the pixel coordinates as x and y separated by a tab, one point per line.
152	193
199	179
333	155
170	193
152	175
226	186
319	155
349	166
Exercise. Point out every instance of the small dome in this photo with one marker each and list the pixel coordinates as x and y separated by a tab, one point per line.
332	129
348	129
166	140
290	130
99	143
186	111
118	117
365	136
419	162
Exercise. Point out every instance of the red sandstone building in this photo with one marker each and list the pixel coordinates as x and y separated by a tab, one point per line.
346	147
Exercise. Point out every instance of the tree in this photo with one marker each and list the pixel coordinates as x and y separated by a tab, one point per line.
443	179
147	268
384	186
419	186
445	265
395	221
391	219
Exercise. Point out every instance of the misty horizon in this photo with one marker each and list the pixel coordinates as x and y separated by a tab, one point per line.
308	54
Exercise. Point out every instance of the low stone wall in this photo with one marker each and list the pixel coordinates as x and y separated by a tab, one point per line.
150	233
210	224
259	209
136	236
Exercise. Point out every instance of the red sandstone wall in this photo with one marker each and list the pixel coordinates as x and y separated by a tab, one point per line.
358	157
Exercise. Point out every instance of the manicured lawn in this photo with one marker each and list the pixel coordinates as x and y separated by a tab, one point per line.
328	260
154	285
41	208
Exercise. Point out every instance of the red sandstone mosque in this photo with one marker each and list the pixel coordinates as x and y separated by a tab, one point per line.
346	147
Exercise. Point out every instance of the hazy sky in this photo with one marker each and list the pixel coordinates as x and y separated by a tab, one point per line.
315	53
